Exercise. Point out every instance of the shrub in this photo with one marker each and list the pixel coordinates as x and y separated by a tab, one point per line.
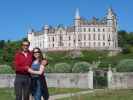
62	68
125	65
50	69
81	67
5	69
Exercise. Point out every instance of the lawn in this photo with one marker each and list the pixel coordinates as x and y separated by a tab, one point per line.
105	95
8	93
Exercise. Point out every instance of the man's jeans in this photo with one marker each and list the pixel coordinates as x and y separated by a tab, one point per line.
22	87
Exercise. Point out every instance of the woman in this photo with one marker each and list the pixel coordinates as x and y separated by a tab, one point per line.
38	81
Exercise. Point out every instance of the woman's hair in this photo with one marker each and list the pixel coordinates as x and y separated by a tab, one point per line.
39	51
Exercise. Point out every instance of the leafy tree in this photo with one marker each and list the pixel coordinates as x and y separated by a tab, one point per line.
2	44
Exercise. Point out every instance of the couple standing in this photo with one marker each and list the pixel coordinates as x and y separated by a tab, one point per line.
29	68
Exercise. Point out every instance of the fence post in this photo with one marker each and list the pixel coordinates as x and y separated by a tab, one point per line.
90	78
109	77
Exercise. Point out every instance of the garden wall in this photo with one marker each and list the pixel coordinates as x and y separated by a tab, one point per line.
62	80
117	80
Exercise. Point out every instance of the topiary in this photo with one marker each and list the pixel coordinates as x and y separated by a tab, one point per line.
62	68
81	67
49	69
125	65
5	69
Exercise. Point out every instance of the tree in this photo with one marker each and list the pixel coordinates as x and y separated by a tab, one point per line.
122	38
2	44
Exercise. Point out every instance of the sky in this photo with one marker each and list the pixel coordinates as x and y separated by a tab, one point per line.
19	16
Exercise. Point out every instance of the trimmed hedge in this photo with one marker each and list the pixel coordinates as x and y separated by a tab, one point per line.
81	67
62	68
125	65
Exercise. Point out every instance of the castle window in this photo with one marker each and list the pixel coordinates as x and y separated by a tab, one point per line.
84	37
53	39
103	43
79	37
84	29
60	31
79	30
109	39
98	36
94	44
69	37
103	30
89	37
98	30
103	37
89	30
94	37
99	44
61	38
109	29
84	43
94	29
89	44
49	38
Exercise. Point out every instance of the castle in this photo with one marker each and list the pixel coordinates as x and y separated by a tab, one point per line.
97	34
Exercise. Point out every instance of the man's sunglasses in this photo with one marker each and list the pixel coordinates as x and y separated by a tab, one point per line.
25	45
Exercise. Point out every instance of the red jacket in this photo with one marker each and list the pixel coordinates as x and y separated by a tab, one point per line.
22	63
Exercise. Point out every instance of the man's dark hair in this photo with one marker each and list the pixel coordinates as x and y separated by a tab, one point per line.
25	41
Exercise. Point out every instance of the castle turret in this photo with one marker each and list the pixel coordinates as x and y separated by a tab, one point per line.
112	22
111	18
30	37
46	29
77	18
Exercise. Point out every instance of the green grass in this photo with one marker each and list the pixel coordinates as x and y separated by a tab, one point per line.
53	91
105	95
9	94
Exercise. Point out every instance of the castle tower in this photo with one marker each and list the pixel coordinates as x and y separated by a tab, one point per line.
76	26
112	22
46	29
111	18
77	18
45	39
30	38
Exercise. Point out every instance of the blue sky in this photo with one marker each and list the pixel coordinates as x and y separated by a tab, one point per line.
18	16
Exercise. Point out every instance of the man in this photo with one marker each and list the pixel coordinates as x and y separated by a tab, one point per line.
22	61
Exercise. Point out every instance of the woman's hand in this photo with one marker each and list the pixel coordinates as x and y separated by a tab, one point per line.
30	70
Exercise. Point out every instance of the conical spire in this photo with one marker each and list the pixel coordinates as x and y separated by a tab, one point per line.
77	16
110	10
110	14
30	30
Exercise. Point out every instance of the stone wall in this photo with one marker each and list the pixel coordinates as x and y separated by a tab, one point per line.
7	80
63	80
117	80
